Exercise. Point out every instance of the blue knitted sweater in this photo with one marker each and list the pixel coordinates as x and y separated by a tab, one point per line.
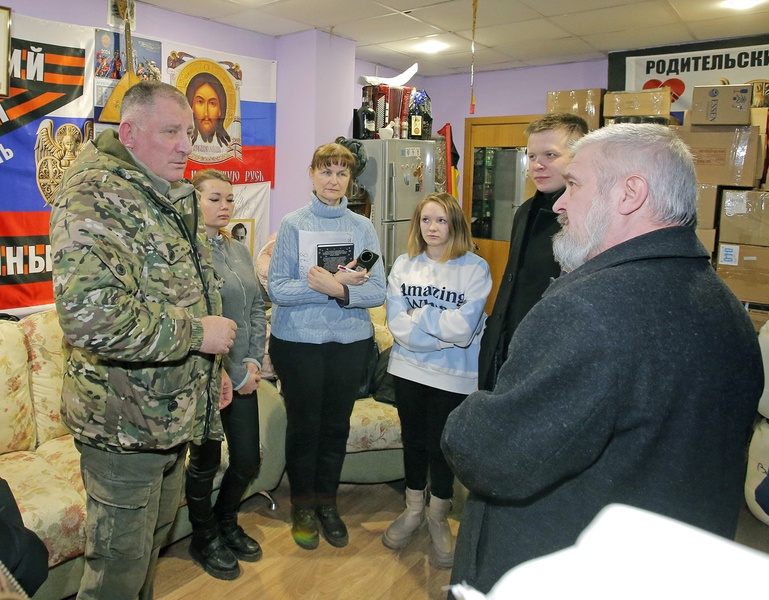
300	314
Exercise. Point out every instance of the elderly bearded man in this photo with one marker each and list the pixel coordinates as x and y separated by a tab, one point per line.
634	380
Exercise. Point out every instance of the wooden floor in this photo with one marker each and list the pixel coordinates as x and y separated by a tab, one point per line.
365	569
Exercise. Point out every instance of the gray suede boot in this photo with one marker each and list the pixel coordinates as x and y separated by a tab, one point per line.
401	531
442	551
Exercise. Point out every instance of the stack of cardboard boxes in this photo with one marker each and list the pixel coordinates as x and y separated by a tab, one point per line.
726	129
727	136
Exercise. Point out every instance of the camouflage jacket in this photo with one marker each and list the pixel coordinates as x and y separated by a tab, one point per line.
132	275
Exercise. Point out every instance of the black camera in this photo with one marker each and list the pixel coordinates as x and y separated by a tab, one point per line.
366	259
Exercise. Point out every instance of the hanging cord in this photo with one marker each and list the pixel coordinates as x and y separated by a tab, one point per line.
472	61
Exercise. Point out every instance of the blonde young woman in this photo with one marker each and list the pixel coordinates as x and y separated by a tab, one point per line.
217	539
435	299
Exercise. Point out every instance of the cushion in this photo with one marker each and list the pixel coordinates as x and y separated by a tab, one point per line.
17	424
374	426
49	505
46	360
61	453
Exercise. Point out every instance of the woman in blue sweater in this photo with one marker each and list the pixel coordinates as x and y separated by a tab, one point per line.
321	338
217	539
435	299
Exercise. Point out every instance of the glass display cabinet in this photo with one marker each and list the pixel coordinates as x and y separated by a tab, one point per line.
494	185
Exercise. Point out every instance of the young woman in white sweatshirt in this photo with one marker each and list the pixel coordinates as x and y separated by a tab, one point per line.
435	299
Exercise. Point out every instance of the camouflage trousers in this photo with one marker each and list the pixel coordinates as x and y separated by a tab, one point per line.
132	500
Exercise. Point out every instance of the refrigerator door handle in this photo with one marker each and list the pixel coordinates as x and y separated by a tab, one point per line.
389	211
389	245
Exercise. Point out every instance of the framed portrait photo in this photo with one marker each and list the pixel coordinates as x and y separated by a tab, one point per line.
5	51
242	230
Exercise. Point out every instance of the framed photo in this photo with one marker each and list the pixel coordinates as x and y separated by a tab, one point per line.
242	230
5	52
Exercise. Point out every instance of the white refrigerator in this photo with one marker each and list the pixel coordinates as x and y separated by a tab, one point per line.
398	174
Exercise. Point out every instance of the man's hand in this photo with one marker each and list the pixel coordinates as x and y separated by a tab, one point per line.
218	334
225	395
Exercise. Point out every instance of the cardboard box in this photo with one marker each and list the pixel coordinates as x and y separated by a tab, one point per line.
723	155
745	269
628	104
745	217
584	103
707	205
708	238
721	104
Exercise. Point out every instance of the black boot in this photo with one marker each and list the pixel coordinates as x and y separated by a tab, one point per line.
207	547
242	545
231	491
304	528
332	526
214	556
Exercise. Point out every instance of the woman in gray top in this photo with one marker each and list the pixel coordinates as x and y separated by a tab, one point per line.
217	539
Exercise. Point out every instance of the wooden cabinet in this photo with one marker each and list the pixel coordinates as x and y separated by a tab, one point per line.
494	186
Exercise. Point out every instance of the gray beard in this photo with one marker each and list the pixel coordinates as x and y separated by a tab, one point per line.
573	249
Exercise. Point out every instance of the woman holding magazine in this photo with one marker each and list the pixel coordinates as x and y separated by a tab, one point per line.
321	338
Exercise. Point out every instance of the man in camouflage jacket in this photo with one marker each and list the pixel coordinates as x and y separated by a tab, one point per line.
136	296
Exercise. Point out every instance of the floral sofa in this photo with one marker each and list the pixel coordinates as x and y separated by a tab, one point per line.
39	460
374	448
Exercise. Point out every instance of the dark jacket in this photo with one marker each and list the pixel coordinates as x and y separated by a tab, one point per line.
634	380
522	285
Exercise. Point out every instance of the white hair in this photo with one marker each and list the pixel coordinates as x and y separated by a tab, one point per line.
655	153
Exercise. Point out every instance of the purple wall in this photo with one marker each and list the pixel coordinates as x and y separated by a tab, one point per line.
315	83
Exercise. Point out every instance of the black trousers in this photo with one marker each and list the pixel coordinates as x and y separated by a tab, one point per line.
320	385
423	411
241	428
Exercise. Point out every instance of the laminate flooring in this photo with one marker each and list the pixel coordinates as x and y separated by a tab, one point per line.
364	570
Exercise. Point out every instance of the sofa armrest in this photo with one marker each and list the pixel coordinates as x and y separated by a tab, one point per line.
272	433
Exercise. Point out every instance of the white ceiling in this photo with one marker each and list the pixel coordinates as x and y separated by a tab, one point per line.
508	33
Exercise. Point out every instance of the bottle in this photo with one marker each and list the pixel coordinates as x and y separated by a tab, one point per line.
367	117
420	116
404	129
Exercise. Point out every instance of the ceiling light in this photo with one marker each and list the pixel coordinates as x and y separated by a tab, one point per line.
431	47
741	4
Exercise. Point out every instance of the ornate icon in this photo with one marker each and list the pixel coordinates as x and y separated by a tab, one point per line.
55	152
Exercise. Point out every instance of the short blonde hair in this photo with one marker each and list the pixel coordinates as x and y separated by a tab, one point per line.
460	242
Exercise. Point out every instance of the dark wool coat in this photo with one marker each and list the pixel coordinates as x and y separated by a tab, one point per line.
531	233
634	380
